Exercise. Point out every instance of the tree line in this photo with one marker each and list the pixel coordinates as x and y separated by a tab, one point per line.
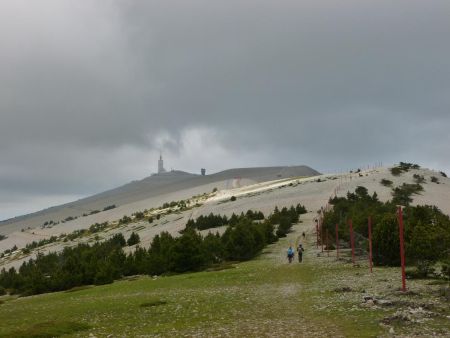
427	229
104	262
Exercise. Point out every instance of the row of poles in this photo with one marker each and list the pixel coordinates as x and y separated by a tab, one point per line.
319	229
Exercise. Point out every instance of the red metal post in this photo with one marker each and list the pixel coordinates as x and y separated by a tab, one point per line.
352	240
317	233
402	248
337	241
321	234
370	244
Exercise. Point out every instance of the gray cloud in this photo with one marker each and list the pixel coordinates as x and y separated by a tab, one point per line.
91	90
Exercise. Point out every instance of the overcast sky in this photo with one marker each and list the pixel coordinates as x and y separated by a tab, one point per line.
90	91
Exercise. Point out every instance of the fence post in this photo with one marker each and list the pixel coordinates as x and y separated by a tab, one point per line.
321	233
337	241
402	248
326	242
317	233
352	241
370	244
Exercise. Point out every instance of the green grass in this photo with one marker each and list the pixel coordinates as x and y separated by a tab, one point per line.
265	296
48	330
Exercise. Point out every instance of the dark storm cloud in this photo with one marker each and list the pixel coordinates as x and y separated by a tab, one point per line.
91	90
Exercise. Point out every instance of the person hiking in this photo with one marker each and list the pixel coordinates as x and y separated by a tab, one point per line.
303	234
290	254
300	253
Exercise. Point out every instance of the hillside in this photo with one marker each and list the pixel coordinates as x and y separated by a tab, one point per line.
313	192
267	296
152	191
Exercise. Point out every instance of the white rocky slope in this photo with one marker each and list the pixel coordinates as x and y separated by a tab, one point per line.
313	192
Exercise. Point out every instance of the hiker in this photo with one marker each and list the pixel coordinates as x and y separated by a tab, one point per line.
303	234
300	253
290	254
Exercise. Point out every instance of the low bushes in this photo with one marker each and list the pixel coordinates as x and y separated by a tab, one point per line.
402	194
102	263
427	229
403	167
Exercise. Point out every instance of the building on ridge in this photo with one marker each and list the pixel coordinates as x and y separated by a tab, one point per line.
161	165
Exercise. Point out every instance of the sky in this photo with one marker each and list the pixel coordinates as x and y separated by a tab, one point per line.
92	91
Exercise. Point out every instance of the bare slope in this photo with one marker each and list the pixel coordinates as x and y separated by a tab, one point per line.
313	192
152	192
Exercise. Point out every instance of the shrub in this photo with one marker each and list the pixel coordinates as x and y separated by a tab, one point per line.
109	207
187	253
403	167
402	195
386	183
134	239
386	242
150	219
125	220
418	178
233	198
284	227
118	239
446	268
434	179
396	171
443	174
300	209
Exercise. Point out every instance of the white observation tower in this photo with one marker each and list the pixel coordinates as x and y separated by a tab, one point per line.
161	165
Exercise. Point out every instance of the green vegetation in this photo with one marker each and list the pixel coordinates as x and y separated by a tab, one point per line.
386	183
8	251
207	222
427	229
153	303
443	174
94	228
134	239
139	215
434	179
233	198
261	297
125	220
42	242
109	207
419	178
179	204
403	167
2	237
50	329
402	195
105	262
274	299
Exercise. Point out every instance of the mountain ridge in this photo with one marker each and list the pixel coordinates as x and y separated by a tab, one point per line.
154	186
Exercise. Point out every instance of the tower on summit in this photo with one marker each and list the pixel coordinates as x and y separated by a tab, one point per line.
161	165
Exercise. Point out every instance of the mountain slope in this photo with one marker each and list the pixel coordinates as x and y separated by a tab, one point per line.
154	190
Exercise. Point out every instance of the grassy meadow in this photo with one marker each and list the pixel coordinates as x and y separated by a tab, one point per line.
260	298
